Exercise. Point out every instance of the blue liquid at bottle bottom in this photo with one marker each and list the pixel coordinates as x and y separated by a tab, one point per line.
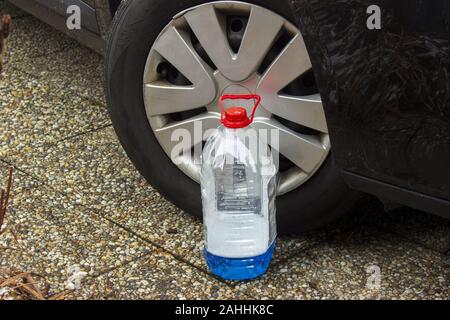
239	268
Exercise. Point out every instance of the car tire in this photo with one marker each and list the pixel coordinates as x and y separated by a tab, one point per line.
321	200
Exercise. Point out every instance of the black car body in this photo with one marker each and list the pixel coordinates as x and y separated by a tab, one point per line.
389	113
386	92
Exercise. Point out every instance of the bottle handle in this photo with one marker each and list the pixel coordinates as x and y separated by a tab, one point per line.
239	97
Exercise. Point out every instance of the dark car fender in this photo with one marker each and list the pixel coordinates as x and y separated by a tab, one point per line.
386	94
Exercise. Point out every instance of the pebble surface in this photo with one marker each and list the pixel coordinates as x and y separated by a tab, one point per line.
78	201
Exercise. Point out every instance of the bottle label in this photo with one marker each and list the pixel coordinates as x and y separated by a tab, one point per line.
236	193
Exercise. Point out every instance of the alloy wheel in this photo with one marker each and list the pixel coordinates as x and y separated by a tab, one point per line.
230	47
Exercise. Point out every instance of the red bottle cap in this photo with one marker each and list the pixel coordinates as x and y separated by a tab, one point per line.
236	117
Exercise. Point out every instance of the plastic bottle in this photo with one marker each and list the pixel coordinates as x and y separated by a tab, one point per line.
238	183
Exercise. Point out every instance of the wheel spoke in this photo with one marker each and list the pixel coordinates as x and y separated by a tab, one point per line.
307	111
292	62
210	29
174	46
303	150
168	136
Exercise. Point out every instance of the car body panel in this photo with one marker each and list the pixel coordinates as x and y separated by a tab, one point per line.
89	18
54	12
386	92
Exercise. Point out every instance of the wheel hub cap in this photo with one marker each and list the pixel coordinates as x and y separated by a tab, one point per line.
271	61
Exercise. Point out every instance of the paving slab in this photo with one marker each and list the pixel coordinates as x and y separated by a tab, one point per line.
96	167
152	217
49	234
41	248
425	229
76	71
32	116
31	38
339	269
156	276
93	164
21	182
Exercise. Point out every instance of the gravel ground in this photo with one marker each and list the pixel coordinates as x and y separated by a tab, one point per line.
78	201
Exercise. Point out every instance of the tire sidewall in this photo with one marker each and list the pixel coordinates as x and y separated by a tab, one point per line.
135	28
